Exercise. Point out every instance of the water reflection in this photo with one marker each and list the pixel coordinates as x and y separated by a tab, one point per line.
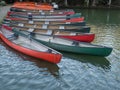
95	60
106	16
52	68
46	66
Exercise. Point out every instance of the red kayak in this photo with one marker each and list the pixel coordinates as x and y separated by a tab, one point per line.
30	47
32	6
42	13
80	19
83	37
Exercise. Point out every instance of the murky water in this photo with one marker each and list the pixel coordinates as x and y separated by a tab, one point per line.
74	72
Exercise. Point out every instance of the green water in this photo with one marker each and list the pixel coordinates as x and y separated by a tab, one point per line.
74	72
105	24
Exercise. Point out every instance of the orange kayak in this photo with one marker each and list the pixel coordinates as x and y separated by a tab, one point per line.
32	6
24	3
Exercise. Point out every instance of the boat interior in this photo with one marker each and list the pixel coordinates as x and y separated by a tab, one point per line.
42	13
26	41
38	22
58	40
45	26
53	32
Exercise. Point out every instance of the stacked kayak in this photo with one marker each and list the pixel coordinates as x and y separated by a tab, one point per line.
32	6
32	15
71	28
78	36
38	8
38	31
71	22
29	46
63	44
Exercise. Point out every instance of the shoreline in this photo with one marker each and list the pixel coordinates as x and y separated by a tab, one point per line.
95	7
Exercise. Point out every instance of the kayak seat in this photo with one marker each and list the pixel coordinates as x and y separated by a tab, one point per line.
49	32
30	17
44	26
75	43
47	22
31	29
31	22
72	33
42	13
13	37
49	51
61	27
20	24
67	18
32	34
